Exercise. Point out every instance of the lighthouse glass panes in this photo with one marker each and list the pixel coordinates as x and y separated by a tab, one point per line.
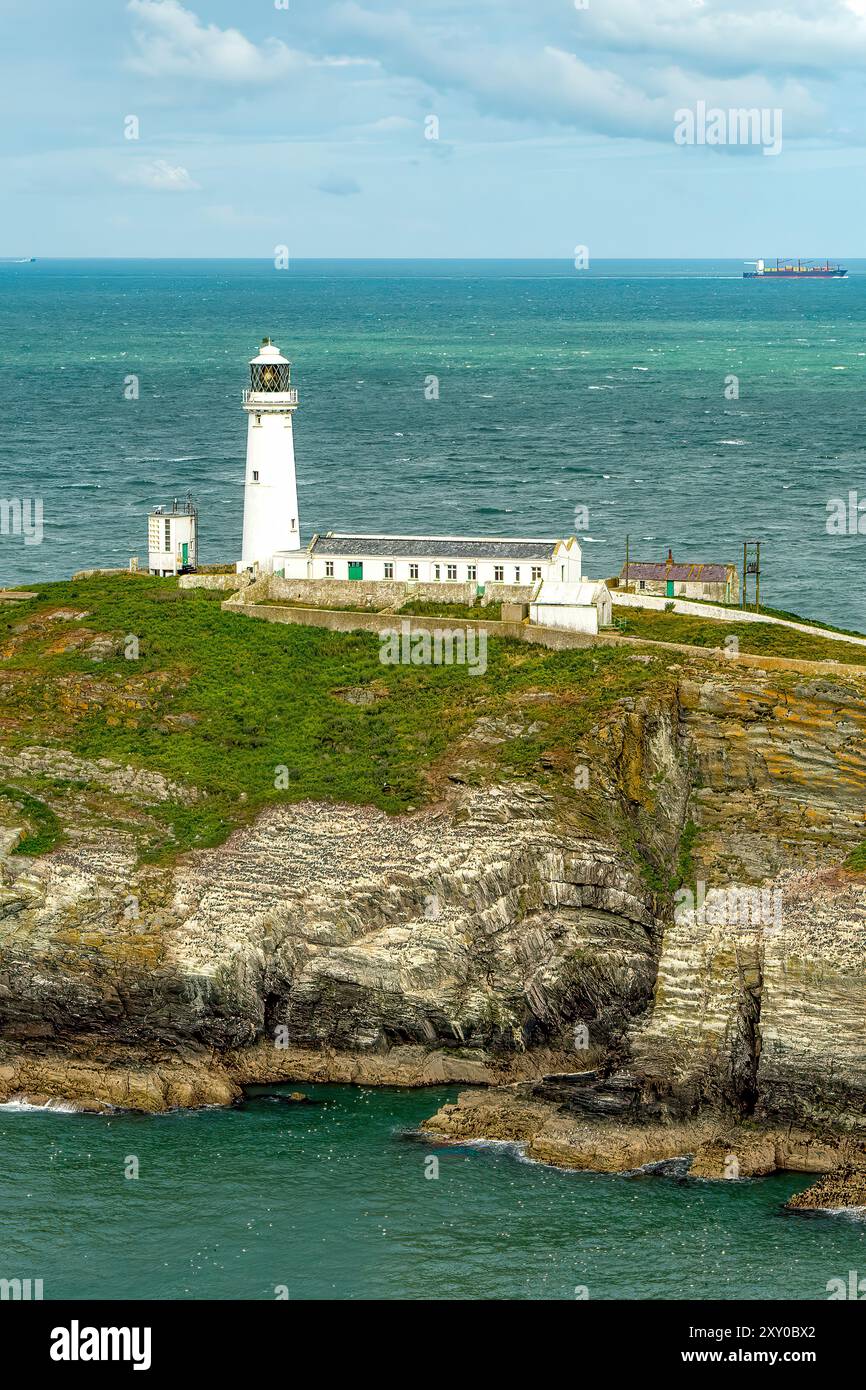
272	377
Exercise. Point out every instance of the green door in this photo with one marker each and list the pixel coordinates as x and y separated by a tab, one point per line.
670	588
356	569
184	553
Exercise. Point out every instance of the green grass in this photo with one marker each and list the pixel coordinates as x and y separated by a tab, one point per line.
812	622
772	613
761	639
857	859
685	862
222	702
248	713
423	608
46	828
316	607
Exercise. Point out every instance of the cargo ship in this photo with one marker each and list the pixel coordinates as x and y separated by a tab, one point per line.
795	270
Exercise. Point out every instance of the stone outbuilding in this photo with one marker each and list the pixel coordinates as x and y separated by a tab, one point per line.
689	579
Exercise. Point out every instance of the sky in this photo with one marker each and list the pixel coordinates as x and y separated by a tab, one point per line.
432	128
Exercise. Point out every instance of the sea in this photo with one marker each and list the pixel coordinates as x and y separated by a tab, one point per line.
347	1199
671	402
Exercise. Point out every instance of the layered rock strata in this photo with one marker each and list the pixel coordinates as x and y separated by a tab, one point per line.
512	932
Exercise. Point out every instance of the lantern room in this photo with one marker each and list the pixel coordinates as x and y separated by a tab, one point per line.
270	372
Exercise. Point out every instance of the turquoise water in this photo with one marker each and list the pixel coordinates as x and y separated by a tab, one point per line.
331	1201
557	389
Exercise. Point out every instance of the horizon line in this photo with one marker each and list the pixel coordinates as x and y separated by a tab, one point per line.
565	260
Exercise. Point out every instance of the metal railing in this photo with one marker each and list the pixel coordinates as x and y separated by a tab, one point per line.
274	399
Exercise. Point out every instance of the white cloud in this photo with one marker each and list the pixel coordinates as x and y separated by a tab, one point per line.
160	176
737	36
520	79
619	68
171	41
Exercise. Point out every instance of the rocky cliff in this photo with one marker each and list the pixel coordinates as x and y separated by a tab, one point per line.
511	931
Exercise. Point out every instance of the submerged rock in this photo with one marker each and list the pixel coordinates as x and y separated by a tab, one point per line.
292	1098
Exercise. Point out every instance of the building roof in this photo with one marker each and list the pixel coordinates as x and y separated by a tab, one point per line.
557	593
659	569
447	547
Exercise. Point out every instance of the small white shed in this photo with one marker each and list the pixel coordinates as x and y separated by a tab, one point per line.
583	607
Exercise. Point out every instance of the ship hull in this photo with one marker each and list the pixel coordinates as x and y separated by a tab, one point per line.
795	275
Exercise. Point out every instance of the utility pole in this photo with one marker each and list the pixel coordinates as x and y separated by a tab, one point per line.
743	602
626	563
752	566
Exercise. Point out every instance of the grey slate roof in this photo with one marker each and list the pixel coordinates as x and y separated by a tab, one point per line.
446	547
695	573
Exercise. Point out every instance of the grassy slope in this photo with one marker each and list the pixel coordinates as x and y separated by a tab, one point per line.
221	702
772	613
763	639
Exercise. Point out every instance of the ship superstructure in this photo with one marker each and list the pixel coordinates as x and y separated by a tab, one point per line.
787	269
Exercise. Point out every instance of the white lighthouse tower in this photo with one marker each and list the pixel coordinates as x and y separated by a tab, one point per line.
271	522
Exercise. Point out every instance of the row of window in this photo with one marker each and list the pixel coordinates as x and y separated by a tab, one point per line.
153	534
708	590
450	572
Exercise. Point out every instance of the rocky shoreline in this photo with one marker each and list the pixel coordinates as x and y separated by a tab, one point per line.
91	1076
842	1189
709	1145
518	937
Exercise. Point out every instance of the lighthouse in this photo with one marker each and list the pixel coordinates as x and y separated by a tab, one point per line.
271	522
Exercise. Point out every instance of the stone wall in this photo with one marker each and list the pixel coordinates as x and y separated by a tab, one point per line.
222	583
379	594
557	638
339	620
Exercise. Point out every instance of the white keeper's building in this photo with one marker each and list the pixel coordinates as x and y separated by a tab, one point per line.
272	538
481	560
